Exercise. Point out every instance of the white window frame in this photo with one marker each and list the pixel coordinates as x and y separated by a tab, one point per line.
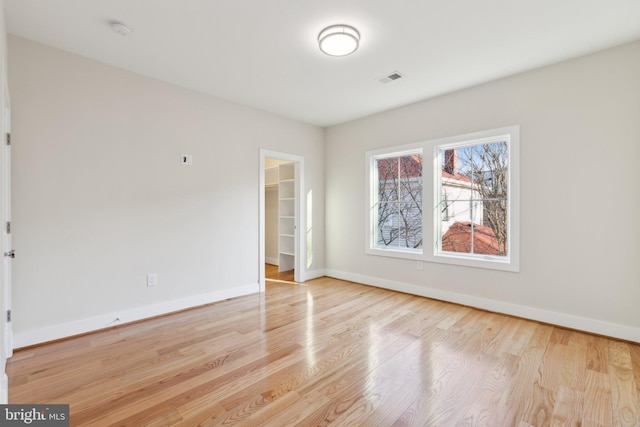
431	178
510	262
372	198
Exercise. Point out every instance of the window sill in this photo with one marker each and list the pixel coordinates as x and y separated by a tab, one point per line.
417	255
477	261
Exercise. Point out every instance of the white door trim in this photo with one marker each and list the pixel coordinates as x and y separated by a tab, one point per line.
300	241
6	237
6	346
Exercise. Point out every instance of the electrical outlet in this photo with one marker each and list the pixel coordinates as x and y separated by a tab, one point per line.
420	265
152	279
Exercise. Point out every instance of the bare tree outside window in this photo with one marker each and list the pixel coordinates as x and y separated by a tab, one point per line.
399	201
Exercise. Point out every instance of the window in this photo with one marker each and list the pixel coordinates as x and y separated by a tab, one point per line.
473	182
472	208
395	208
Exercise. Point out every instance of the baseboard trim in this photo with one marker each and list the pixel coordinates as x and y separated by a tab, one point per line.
82	326
314	274
272	261
595	326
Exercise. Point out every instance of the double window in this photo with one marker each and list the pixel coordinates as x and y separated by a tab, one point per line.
458	206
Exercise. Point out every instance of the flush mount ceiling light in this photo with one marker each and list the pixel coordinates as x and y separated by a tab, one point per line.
120	28
339	40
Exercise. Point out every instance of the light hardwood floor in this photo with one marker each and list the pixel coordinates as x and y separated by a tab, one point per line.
334	353
271	272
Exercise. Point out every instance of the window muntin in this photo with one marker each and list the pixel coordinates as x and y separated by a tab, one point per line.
396	211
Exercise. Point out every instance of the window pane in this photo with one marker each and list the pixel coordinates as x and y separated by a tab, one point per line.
410	166
410	225
484	241
457	238
495	217
411	179
387	179
399	202
387	229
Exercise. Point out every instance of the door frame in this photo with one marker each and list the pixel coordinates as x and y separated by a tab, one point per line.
6	346
6	234
300	214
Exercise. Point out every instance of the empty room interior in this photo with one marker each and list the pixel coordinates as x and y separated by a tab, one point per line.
321	212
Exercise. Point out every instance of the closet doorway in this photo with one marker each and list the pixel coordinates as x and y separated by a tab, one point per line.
281	214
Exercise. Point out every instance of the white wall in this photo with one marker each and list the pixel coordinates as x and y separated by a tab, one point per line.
580	193
100	197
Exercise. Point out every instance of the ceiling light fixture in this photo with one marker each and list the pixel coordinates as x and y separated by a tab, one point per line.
339	40
120	28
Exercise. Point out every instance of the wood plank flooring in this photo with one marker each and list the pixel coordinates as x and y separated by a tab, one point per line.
271	272
330	352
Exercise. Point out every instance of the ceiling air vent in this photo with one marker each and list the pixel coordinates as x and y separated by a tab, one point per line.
391	77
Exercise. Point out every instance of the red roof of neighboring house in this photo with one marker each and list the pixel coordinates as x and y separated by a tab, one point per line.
458	176
458	239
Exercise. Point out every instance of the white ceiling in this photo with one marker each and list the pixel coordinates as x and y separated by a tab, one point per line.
264	54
